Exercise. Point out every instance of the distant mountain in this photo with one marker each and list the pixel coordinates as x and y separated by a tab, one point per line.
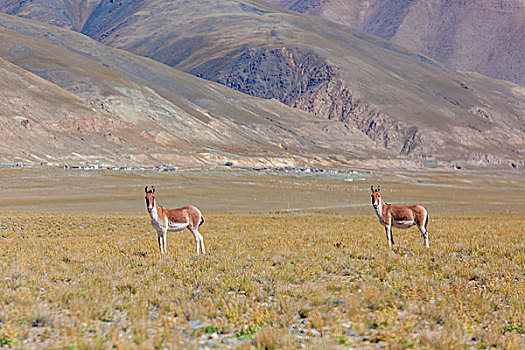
387	105
484	36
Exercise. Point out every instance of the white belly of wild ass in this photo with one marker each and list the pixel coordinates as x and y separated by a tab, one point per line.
176	226
403	224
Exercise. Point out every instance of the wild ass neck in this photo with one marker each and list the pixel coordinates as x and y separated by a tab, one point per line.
379	210
154	214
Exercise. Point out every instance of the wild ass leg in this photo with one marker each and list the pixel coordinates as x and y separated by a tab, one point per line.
201	239
165	237
391	236
159	239
388	230
424	232
422	226
196	234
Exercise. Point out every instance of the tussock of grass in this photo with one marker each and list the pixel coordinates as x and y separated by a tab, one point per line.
270	281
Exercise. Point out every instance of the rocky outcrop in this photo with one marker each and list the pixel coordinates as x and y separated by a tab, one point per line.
300	78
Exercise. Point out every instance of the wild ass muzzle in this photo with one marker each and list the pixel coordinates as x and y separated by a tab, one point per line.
399	217
164	220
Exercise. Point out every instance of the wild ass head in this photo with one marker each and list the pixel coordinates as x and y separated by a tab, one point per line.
376	196
150	198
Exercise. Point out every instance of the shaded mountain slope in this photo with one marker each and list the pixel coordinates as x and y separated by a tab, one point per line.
70	14
485	36
127	109
399	101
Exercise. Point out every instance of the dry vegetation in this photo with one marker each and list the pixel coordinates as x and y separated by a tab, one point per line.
93	280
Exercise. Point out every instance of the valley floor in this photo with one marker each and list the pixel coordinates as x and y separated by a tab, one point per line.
295	261
263	192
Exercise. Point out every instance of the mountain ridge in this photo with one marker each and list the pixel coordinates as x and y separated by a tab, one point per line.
402	101
487	36
148	113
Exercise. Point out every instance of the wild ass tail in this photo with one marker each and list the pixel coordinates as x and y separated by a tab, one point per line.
426	221
202	221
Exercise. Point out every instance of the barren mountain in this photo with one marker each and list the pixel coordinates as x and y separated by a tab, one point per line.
80	101
380	96
484	36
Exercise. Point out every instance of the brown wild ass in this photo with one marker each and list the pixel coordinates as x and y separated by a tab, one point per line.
399	217
164	220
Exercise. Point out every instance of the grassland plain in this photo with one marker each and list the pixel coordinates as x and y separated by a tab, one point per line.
73	280
80	280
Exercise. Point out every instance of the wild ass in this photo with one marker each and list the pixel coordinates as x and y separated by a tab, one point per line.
399	217
164	220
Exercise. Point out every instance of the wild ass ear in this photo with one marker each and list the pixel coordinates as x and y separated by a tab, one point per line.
378	188
146	189
152	189
372	188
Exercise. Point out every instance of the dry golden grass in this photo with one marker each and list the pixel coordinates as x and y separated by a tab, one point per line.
92	280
